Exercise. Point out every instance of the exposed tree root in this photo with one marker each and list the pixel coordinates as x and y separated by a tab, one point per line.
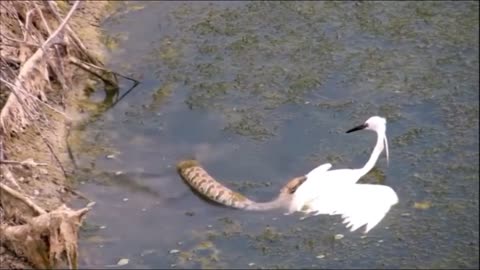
48	240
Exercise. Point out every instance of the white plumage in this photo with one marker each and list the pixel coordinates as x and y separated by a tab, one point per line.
359	204
336	192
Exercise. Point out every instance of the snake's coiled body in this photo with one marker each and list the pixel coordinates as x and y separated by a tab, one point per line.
199	179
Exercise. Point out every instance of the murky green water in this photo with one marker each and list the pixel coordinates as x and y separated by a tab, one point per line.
263	91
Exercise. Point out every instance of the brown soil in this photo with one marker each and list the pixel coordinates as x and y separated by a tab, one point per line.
45	140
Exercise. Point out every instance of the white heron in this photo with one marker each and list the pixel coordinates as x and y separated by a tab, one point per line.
336	192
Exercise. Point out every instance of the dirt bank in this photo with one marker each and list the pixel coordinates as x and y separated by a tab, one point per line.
41	81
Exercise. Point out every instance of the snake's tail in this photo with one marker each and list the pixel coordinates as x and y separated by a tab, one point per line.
202	182
199	179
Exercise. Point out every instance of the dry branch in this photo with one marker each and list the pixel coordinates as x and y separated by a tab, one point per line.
28	162
89	68
12	108
22	198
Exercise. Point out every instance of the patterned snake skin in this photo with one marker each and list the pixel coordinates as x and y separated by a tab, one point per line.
199	179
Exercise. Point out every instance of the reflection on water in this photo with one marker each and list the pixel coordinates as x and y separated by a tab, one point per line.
260	92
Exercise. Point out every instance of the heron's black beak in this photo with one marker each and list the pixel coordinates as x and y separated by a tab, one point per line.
360	127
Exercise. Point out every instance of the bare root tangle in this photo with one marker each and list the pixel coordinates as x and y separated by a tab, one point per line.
48	240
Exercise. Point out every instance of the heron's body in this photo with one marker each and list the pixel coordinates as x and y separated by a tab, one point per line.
336	192
321	191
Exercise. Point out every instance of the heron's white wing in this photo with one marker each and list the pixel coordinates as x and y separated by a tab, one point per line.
319	170
359	204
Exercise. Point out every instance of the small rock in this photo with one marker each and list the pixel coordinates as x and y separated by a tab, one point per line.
123	261
117	173
405	214
363	236
174	251
338	236
43	171
103	227
380	241
321	256
144	209
21	179
36	192
180	243
251	264
111	156
125	199
209	226
173	265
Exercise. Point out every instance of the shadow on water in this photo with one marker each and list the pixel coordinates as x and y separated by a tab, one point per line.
261	92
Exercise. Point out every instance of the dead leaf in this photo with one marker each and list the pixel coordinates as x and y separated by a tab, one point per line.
422	205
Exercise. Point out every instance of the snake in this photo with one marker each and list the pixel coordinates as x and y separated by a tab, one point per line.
203	183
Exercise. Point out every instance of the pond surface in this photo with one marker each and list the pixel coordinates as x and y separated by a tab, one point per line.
261	92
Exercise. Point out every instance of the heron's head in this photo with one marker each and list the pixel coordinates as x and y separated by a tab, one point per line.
377	124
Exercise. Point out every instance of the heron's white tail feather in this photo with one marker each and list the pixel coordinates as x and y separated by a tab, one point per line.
359	204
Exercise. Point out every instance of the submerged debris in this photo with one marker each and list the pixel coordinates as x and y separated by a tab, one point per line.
123	261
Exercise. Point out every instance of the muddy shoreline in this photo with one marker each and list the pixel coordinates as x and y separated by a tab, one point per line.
45	141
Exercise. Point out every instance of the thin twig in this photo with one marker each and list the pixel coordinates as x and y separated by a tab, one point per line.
73	59
23	42
2	154
135	83
85	66
39	11
12	86
27	24
53	153
29	162
55	68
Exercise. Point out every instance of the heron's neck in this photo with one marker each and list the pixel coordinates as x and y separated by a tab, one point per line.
375	154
